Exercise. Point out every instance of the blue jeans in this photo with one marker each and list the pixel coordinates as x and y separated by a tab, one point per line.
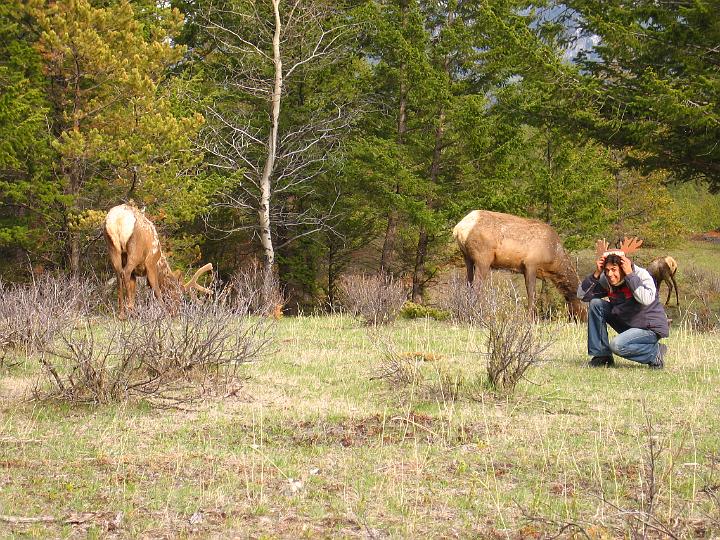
635	344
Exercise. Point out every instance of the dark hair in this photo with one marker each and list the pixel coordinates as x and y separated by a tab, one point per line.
613	258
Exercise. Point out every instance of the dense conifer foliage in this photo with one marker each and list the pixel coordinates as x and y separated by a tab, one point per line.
324	138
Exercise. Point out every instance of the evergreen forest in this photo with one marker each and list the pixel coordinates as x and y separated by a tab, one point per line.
320	138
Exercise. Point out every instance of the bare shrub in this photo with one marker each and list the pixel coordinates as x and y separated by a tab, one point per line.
255	292
154	356
376	299
399	371
654	515
699	314
405	372
32	314
464	301
653	507
514	341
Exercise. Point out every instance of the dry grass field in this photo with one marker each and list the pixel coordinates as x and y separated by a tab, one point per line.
312	445
312	441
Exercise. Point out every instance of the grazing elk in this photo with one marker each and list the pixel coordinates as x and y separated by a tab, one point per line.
134	249
663	269
494	240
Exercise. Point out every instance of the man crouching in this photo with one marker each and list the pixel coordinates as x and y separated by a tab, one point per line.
631	309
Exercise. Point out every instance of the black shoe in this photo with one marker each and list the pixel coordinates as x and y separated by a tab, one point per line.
601	361
659	362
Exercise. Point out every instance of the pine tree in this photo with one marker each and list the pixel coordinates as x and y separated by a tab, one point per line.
651	81
115	123
26	198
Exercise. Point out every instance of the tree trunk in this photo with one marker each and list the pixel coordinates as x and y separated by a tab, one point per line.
331	275
265	189
74	187
548	187
419	273
389	242
74	253
418	282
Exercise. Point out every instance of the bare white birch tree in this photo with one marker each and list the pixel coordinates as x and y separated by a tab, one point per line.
265	51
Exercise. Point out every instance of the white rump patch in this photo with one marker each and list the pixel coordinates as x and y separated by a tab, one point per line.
119	224
462	229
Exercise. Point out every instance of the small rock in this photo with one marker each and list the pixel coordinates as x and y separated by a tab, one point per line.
295	485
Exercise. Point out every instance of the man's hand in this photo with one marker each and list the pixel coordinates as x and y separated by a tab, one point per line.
626	265
600	264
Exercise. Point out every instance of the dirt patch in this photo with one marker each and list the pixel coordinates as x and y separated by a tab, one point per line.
14	389
376	429
709	236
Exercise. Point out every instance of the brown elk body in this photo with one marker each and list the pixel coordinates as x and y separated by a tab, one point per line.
662	270
495	240
134	249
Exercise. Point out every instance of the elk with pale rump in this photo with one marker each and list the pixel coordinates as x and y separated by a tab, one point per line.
495	240
134	249
663	269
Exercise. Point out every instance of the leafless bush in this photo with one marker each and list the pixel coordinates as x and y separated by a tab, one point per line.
710	492
416	374
154	356
699	314
654	516
514	340
376	299
399	371
32	314
464	301
257	293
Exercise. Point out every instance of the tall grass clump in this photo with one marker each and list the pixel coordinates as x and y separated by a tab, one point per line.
417	374
32	314
376	299
152	355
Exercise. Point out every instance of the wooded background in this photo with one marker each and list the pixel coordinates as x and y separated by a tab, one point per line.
319	137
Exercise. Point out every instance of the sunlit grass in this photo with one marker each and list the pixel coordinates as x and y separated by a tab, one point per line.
313	444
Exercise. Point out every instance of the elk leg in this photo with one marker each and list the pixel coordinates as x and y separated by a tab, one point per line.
131	288
129	283
121	295
530	273
153	279
481	263
669	292
470	266
116	261
677	298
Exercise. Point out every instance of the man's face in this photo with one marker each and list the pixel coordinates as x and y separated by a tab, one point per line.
613	273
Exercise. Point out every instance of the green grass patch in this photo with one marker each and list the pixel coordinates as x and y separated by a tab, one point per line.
314	445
